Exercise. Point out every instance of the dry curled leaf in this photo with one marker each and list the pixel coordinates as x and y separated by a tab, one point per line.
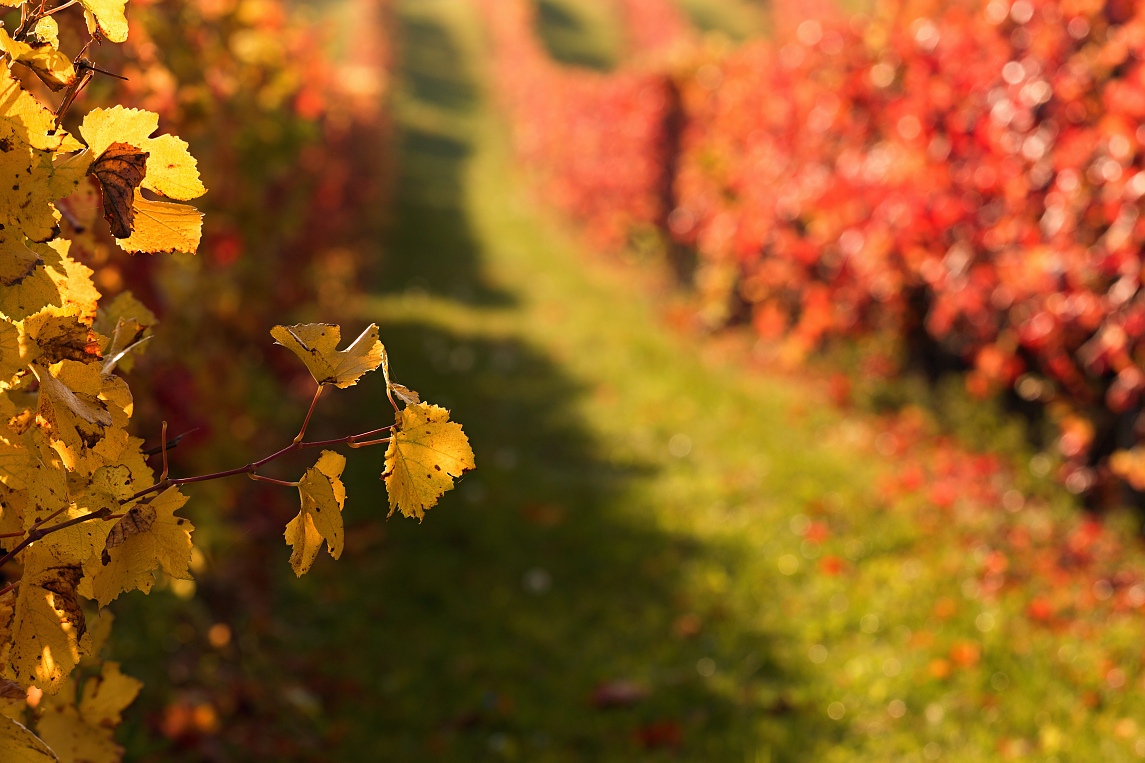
317	345
120	170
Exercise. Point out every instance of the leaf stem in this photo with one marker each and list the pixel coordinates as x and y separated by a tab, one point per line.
271	480
306	422
356	444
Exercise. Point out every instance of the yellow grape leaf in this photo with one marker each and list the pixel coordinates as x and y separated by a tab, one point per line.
26	285
84	413
47	31
108	486
50	65
44	476
26	207
323	496
18	745
24	120
13	504
11	356
171	170
107	17
86	733
123	307
48	621
427	452
126	324
68	171
159	540
73	282
102	127
58	333
104	698
163	227
69	394
316	344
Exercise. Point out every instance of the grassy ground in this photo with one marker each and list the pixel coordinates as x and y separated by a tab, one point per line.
633	572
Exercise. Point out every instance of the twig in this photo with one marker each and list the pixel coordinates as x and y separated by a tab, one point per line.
59	8
250	469
36	533
163	445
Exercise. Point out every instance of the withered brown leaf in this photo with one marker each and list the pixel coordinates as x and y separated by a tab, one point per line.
120	169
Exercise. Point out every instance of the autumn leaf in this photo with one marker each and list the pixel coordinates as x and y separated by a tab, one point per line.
316	344
427	452
85	732
83	412
47	30
157	539
26	286
120	170
26	121
50	65
18	745
48	621
162	227
11	357
171	171
123	307
127	323
26	207
56	334
323	496
72	280
106	17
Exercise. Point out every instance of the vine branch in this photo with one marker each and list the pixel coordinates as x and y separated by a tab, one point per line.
39	531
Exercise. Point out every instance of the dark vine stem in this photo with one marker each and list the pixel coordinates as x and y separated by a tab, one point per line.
38	531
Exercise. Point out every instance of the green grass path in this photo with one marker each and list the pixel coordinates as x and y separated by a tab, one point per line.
583	551
629	573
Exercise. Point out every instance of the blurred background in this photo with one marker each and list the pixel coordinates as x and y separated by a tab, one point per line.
799	345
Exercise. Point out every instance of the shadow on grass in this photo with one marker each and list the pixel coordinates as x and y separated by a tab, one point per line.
484	632
568	38
513	622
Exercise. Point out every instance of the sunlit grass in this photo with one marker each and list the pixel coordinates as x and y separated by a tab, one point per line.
640	516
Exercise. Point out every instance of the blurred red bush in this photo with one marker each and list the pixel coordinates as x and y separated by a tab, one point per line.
966	176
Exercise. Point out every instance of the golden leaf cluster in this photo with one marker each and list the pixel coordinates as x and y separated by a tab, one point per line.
74	529
83	518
